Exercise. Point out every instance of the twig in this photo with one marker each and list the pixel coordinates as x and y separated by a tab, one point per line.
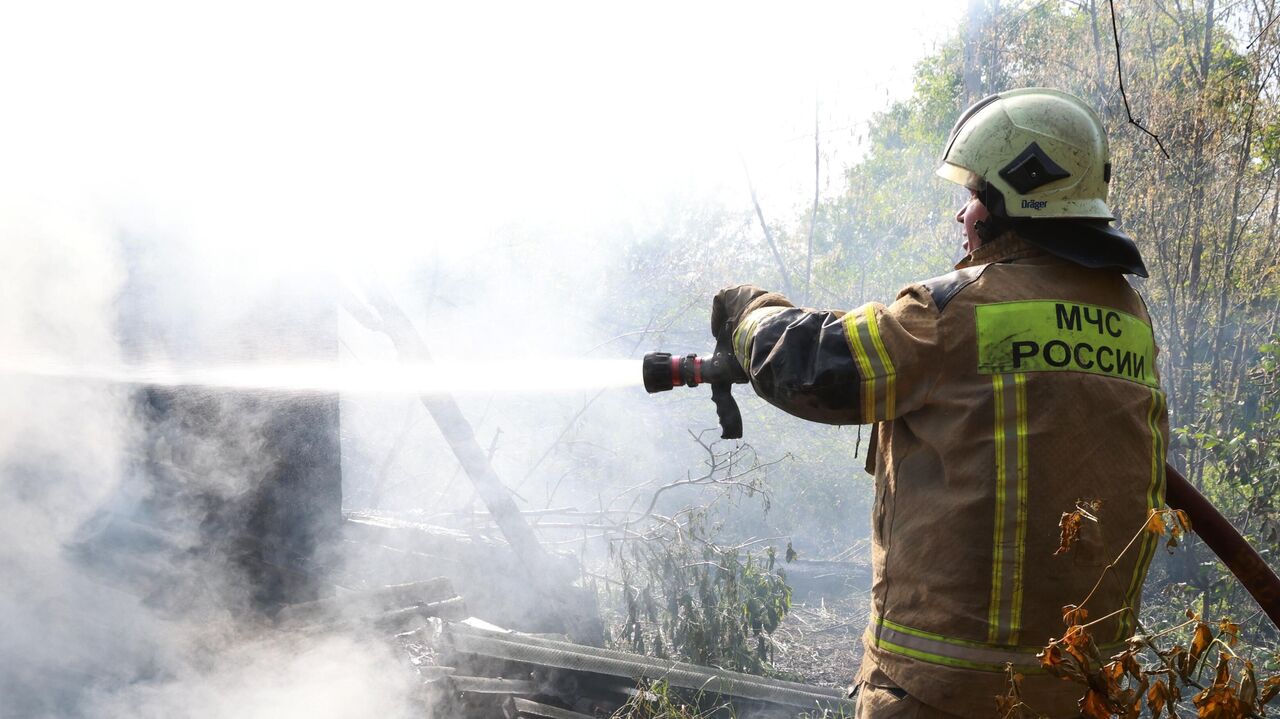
1262	32
1106	571
1105	617
1146	641
727	480
753	542
1115	33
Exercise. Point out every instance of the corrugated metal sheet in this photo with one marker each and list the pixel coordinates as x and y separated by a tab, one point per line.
515	647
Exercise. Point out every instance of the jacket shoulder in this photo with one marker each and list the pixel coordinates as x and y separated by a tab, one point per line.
943	288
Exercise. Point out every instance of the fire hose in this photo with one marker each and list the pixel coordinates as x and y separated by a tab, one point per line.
1225	540
663	371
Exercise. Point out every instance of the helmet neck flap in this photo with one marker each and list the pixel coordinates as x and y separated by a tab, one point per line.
1039	161
1091	243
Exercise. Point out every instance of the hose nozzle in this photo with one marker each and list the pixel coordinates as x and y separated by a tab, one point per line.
663	371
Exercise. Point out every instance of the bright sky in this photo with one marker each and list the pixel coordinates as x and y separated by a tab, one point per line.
402	125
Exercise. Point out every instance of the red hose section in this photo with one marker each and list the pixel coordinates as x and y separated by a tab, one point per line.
1225	541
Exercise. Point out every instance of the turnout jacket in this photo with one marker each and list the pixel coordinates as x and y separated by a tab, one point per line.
1004	395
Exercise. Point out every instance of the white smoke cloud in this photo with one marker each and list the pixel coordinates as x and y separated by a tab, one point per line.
85	639
280	678
60	457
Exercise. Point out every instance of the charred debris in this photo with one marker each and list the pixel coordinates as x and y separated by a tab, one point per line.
481	644
490	627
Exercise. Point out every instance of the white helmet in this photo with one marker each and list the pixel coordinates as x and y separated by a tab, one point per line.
1038	160
1043	150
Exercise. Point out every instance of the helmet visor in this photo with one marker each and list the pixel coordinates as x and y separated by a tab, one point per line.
960	176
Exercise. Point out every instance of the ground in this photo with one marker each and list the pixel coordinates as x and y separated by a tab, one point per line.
819	642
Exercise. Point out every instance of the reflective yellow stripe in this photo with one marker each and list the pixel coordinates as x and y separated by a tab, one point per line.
864	366
997	558
879	377
1020	384
946	661
1155	499
744	336
950	651
890	374
1009	536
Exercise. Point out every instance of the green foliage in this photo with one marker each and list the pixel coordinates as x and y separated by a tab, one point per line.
658	700
1241	473
688	598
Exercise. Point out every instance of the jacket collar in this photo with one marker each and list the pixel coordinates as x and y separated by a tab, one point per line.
1004	248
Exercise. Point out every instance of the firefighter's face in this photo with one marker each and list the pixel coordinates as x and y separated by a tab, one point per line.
971	214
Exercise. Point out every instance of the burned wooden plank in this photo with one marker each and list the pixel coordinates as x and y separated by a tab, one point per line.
433	673
491	685
395	550
373	601
452	608
393	620
517	708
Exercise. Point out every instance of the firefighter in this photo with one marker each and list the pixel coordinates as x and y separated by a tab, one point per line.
1003	394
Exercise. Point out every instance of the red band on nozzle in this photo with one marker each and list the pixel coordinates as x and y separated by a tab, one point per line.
676	381
697	370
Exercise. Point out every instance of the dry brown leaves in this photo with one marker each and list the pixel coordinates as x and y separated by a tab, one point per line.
1173	522
1069	524
1117	687
1200	640
1162	694
1114	688
1072	615
1270	688
1226	699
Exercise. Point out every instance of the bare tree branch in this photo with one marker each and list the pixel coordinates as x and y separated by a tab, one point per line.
1115	31
1262	32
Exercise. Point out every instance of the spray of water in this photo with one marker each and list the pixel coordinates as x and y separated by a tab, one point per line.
514	375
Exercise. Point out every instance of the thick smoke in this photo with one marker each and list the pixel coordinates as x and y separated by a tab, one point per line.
61	456
93	625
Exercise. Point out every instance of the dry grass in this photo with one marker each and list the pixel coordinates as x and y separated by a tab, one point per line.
821	643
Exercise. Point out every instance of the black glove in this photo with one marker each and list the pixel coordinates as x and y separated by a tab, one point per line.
733	303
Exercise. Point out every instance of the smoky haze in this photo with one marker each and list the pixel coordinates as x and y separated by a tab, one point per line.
534	186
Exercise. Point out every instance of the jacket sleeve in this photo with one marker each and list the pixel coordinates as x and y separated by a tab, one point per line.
870	364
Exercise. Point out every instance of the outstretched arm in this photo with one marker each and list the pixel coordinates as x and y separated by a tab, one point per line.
873	363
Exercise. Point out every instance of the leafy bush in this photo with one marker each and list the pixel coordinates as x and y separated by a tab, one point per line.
688	598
